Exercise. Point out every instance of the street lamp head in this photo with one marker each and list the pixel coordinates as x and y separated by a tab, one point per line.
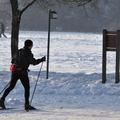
53	14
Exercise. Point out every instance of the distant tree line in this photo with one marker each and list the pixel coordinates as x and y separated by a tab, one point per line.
18	7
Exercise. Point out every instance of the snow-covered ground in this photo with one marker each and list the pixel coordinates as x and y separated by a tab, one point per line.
74	90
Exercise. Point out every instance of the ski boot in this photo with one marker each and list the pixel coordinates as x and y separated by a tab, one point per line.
2	104
29	107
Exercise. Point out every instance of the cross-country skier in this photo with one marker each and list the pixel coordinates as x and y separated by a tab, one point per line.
21	63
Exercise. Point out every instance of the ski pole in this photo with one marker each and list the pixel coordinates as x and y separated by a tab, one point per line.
4	88
36	83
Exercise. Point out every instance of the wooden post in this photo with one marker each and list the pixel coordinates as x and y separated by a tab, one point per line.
104	57
117	57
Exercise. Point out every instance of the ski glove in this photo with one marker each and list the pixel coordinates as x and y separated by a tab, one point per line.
43	59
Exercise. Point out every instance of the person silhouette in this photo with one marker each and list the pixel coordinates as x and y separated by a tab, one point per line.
2	30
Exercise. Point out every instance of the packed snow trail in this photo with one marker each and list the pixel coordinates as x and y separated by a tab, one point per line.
61	114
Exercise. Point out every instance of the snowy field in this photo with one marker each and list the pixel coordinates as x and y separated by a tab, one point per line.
74	90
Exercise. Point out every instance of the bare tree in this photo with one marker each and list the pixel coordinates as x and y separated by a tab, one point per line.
20	6
16	18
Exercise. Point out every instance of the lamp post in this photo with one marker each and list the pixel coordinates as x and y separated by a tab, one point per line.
52	15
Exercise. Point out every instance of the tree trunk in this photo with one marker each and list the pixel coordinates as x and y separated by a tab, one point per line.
15	33
16	18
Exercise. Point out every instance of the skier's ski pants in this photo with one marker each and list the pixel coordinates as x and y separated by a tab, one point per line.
23	76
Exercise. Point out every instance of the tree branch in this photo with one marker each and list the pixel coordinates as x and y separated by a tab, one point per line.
84	2
25	8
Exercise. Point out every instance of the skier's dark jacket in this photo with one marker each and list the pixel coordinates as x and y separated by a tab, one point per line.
24	58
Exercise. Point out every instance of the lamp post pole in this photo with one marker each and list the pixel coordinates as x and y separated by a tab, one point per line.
48	44
51	16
